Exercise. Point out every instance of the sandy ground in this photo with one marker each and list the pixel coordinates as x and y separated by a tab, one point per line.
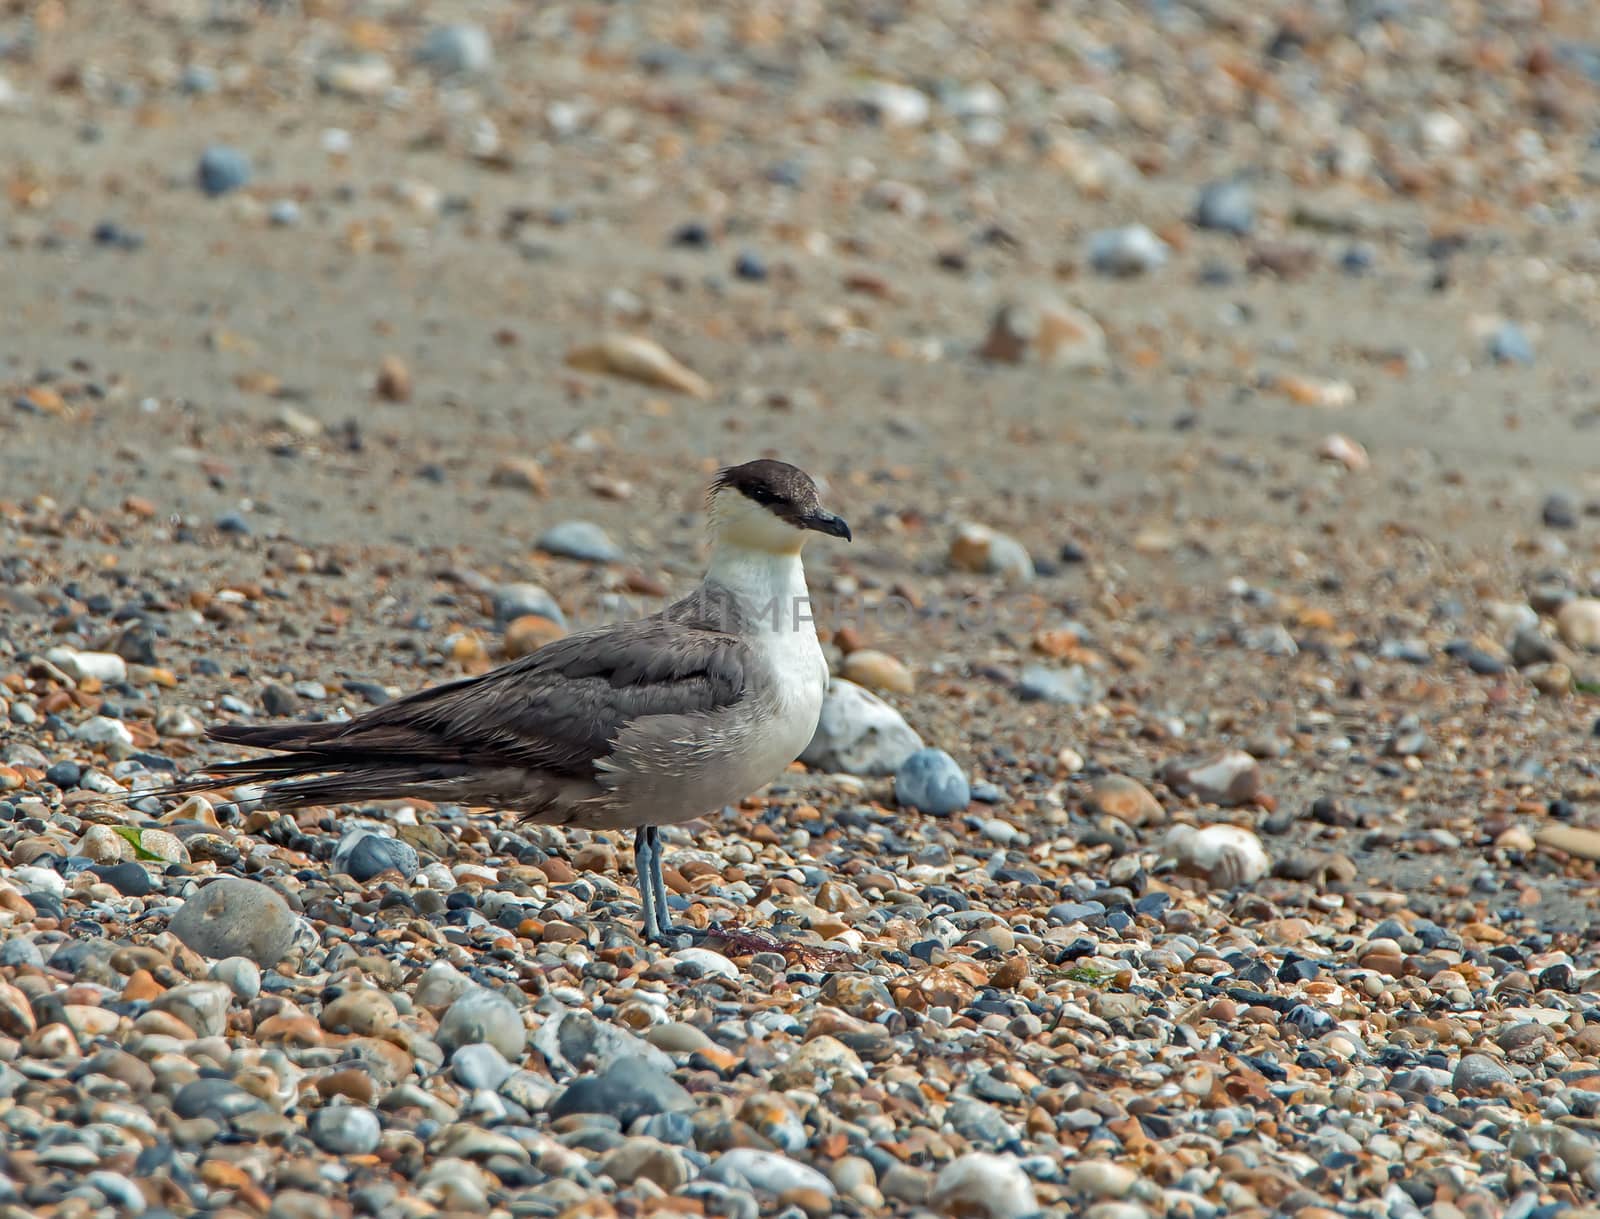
223	369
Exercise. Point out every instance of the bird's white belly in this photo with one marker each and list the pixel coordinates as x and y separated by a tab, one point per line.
725	757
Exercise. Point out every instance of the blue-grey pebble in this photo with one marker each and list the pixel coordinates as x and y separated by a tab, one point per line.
579	540
931	781
350	1130
512	601
365	853
1226	207
1510	344
223	169
480	1065
218	1099
461	49
629	1089
1073	686
241	975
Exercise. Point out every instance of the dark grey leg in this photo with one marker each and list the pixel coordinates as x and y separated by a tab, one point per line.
643	864
658	883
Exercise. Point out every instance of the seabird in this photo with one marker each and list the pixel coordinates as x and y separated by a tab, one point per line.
625	726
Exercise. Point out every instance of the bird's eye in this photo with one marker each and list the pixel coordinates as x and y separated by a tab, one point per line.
764	495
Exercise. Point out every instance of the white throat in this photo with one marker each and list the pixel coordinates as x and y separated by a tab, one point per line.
770	586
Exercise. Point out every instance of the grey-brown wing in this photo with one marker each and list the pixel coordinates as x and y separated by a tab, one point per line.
557	710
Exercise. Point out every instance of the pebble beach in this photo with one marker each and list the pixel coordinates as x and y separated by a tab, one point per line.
1204	819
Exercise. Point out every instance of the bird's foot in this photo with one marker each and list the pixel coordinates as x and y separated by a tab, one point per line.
675	935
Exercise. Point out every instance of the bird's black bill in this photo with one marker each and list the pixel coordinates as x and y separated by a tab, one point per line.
826	522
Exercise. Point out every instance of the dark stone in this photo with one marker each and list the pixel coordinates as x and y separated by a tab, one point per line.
629	1089
129	878
218	1099
65	775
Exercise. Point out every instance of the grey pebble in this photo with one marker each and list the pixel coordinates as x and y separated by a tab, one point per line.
859	734
483	1015
932	782
630	1089
234	917
1127	251
1226	207
346	1129
365	853
1071	687
579	540
479	1066
223	169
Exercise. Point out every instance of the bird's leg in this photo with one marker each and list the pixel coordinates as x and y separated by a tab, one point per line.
653	892
658	884
646	862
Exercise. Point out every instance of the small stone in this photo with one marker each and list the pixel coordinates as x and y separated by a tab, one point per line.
1226	207
129	879
1578	623
480	1066
629	1089
766	1172
221	1100
203	1006
647	1159
1328	394
1047	331
1230	780
579	540
1510	344
859	734
1346	452
1574	840
1559	511
349	1130
1553	680
161	844
356	76
1102	1179
233	917
441	985
278	700
365	853
521	474
223	170
393	382
816	1064
980	549
103	845
362	1011
107	667
983	1186
893	104
461	49
1127	251
932	782
484	1015
65	775
1073	686
529	633
879	671
678	1038
1477	1074
1126	799
1228	856
103	730
638	359
513	601
241	975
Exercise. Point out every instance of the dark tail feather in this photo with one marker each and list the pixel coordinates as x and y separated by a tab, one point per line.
312	770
